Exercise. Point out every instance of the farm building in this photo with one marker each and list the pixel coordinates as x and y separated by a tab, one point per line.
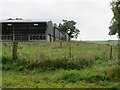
29	30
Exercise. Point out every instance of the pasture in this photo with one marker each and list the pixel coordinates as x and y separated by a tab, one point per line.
56	65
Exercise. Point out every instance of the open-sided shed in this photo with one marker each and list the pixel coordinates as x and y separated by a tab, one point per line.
28	30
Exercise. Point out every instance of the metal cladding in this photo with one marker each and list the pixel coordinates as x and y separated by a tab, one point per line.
28	30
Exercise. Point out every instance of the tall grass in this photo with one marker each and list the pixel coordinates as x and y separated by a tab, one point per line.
89	64
50	56
46	64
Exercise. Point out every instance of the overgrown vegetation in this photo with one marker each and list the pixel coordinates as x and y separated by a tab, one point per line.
49	65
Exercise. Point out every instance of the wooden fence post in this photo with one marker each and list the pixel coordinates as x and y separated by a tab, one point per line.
118	51
110	51
14	50
70	52
61	45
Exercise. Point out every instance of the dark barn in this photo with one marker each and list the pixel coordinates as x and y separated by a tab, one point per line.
28	30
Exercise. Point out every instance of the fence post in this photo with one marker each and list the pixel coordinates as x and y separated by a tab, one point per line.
110	51
61	44
118	51
70	53
14	50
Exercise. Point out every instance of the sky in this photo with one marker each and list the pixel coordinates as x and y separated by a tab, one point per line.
93	17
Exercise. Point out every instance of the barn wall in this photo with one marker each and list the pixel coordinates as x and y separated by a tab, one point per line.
49	31
48	38
50	28
58	35
23	30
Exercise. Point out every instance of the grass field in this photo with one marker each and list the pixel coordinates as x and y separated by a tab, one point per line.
111	42
48	65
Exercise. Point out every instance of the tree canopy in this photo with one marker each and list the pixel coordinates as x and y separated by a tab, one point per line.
115	26
70	28
115	22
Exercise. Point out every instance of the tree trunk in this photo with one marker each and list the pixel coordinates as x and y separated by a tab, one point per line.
69	38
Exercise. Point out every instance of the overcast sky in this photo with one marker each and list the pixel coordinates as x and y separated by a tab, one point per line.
92	16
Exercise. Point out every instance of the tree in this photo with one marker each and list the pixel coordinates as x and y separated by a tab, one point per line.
70	28
115	22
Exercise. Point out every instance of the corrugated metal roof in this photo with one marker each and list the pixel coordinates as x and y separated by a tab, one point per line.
14	20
